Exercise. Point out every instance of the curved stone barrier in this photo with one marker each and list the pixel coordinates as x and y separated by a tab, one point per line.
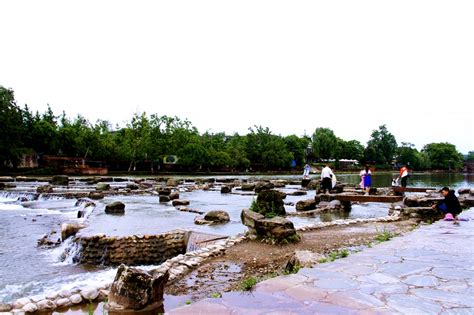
176	267
130	250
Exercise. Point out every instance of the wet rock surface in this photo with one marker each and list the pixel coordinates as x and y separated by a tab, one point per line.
136	289
116	207
60	180
270	201
217	216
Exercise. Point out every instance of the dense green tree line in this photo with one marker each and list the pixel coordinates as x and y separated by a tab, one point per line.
146	140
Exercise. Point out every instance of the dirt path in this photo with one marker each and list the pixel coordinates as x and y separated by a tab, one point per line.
261	260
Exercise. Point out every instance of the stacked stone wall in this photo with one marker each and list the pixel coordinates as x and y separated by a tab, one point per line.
130	250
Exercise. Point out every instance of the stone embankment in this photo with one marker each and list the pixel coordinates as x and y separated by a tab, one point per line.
419	207
131	250
177	267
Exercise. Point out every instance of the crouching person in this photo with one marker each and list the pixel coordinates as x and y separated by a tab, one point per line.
449	206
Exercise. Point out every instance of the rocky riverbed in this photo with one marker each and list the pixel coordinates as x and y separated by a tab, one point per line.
145	210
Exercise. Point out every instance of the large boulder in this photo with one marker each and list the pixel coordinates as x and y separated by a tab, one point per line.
180	202
44	189
248	187
217	216
226	189
466	201
250	219
421	213
102	187
314	184
60	180
116	207
334	205
172	182
95	195
305	205
69	229
260	186
174	195
163	191
134	289
279	183
305	182
421	201
271	201
277	229
302	259
164	198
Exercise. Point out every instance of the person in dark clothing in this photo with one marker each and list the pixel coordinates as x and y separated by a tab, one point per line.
450	204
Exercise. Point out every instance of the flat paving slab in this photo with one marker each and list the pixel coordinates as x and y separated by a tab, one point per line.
427	271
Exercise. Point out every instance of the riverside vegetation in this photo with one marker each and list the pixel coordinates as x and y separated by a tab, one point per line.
146	141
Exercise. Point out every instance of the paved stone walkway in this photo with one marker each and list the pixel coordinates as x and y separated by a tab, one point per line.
427	271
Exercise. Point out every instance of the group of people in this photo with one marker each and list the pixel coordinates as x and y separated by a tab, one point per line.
327	177
449	206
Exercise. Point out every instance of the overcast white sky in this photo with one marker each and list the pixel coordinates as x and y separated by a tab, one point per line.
291	66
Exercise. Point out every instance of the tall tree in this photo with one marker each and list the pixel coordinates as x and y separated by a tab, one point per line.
443	156
407	154
11	129
325	143
297	147
381	147
266	150
352	150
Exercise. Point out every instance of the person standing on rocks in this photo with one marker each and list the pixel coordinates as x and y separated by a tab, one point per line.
326	179
307	168
404	176
366	179
449	206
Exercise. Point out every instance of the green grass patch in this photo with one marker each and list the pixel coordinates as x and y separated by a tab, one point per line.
248	283
332	256
384	235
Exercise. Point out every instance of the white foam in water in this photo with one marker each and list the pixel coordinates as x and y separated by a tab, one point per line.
11	206
49	197
63	254
19	207
70	283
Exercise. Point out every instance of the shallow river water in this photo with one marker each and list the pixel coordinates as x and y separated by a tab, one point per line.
27	270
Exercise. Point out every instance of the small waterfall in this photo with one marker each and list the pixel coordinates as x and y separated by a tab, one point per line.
88	211
44	197
67	252
86	207
104	255
18	196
